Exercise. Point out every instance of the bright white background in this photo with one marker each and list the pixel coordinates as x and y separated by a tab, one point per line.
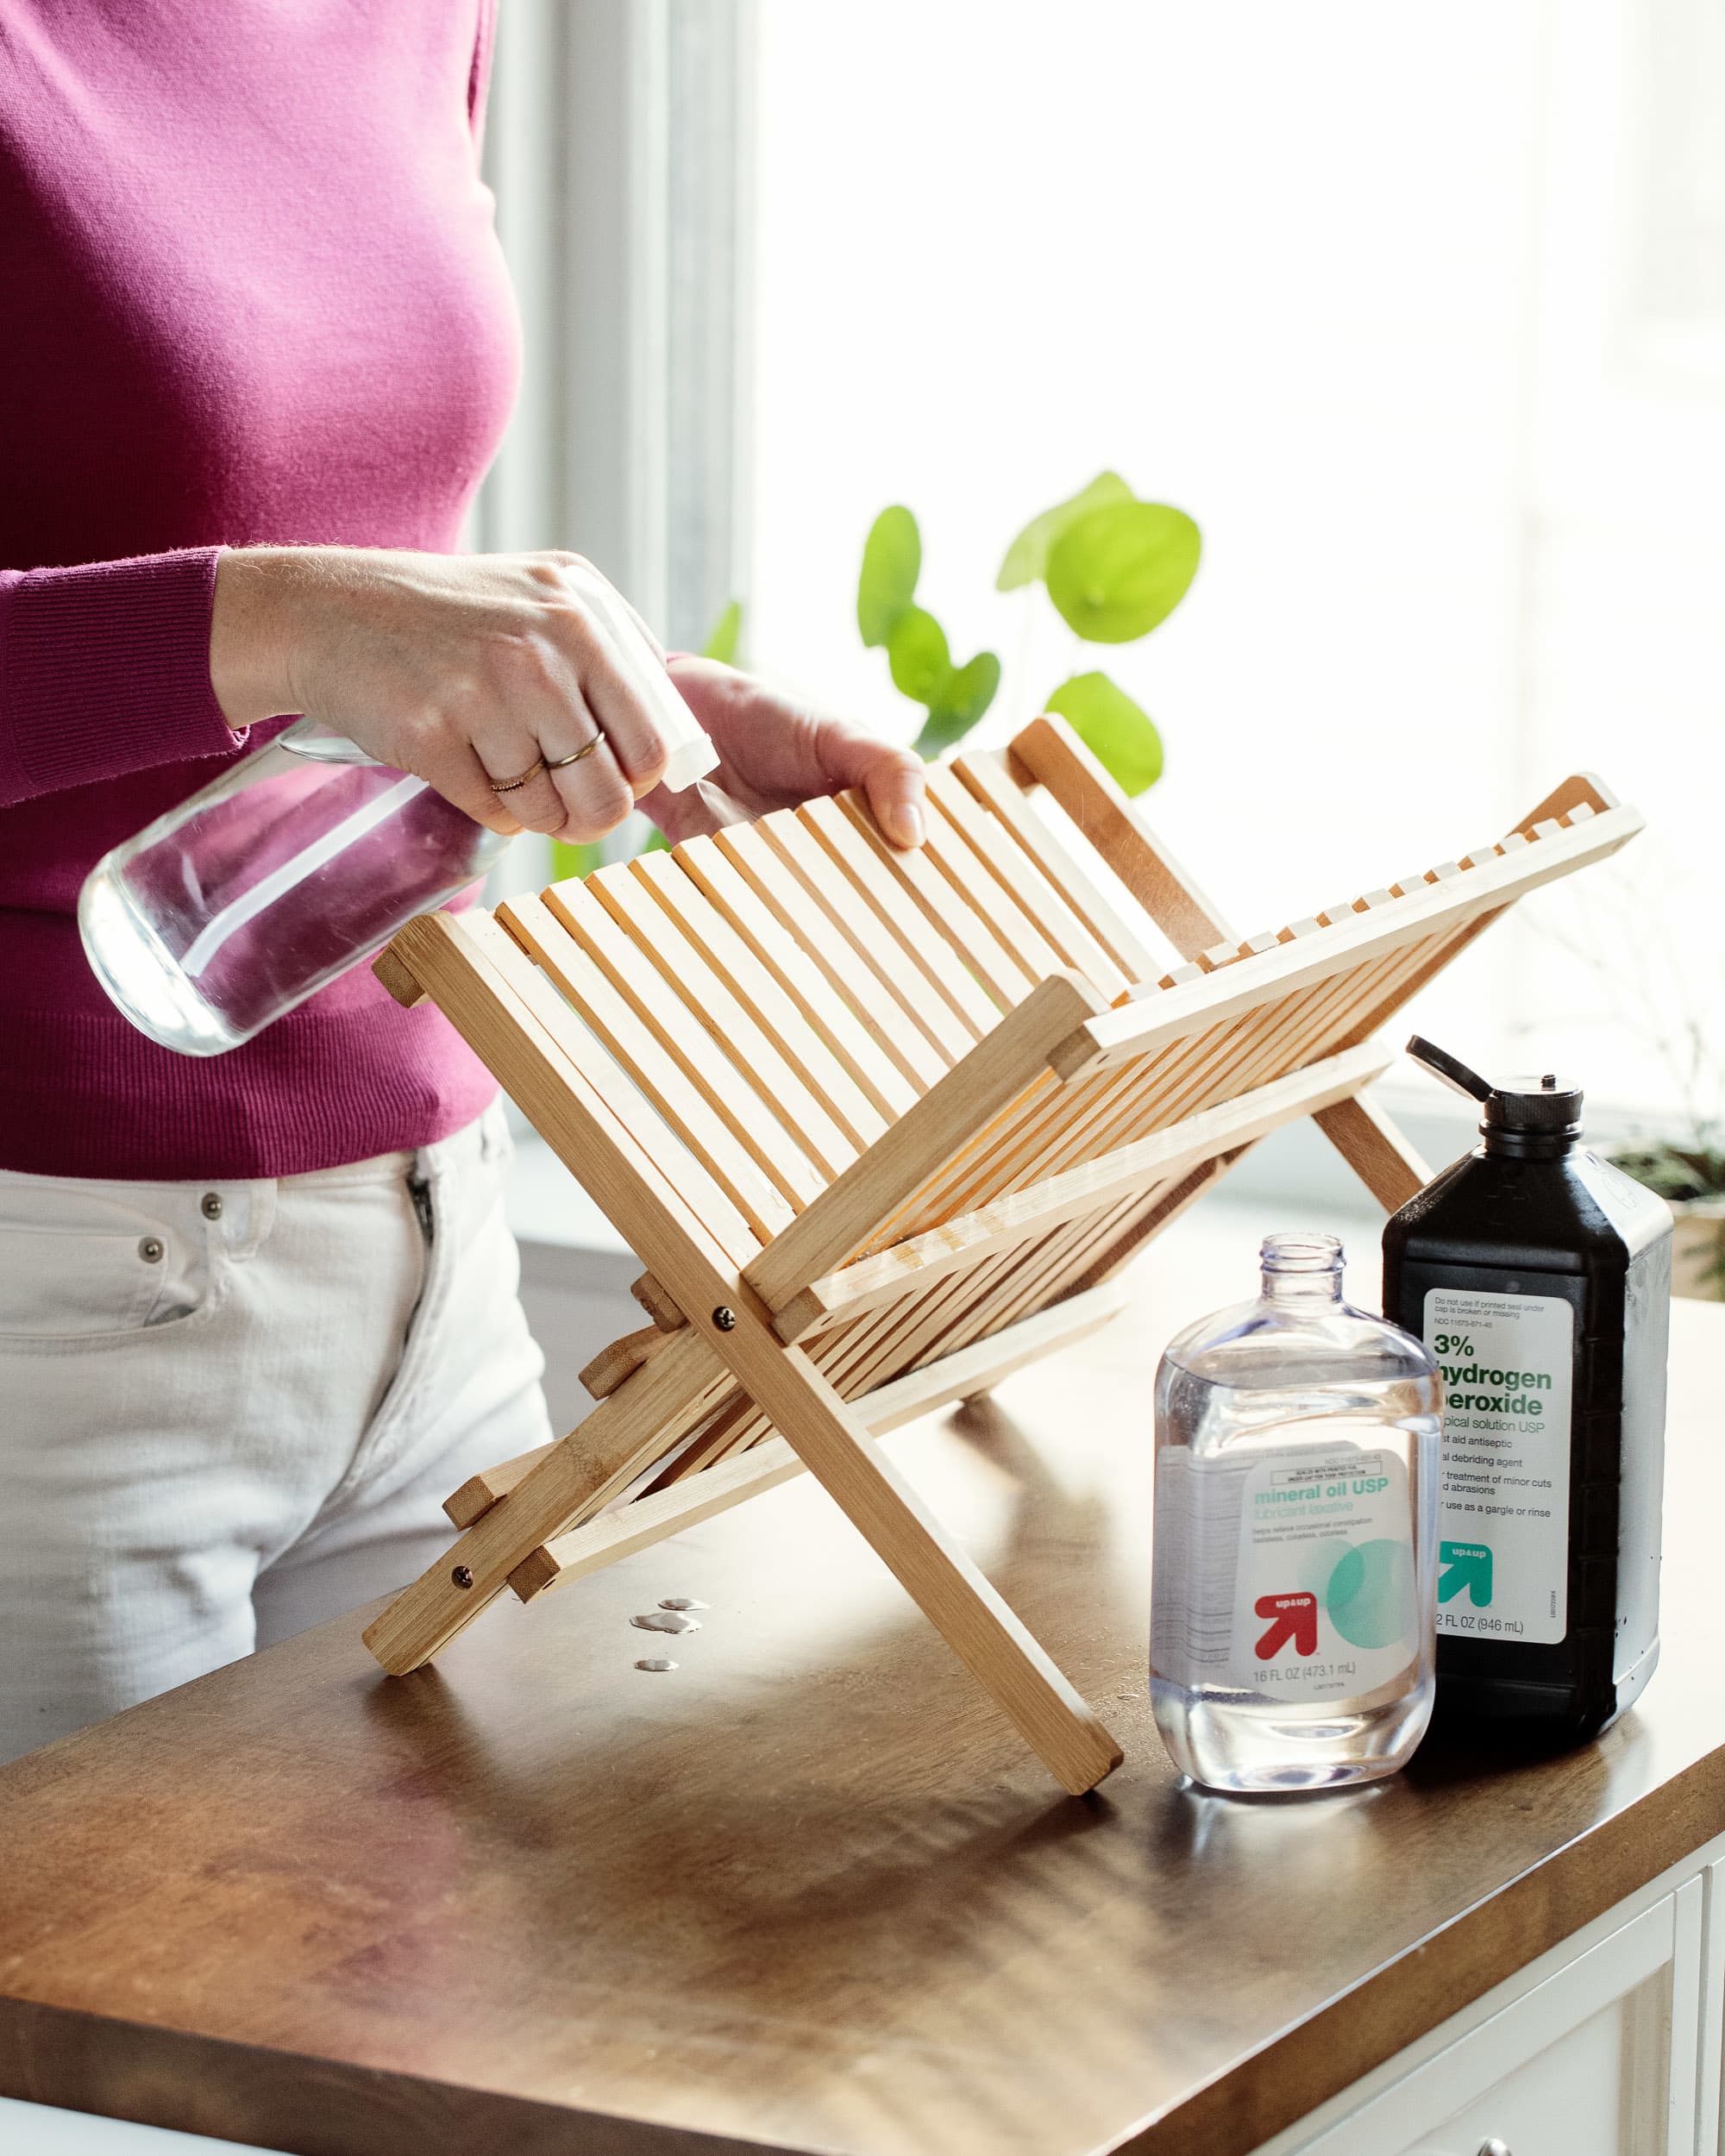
1416	308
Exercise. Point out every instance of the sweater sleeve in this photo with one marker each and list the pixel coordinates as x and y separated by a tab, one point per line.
104	669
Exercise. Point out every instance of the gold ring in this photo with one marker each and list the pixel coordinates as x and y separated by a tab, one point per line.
508	785
562	764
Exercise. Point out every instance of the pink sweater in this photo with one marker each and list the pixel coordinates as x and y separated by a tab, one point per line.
251	294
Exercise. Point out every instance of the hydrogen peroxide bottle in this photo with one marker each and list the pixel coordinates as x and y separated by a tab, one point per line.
1539	1277
1296	1445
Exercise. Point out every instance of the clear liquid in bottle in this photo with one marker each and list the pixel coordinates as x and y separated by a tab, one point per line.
301	861
292	865
1294	1610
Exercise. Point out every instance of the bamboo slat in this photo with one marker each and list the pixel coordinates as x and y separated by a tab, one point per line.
763	868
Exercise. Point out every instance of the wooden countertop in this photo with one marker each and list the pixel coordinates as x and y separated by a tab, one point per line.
807	1892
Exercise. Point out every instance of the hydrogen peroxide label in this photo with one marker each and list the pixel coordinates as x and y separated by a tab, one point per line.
1286	1573
1506	1363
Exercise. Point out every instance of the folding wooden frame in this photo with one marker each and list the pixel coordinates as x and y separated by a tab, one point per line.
885	1126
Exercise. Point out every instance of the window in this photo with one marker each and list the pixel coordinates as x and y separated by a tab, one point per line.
1367	290
1417	309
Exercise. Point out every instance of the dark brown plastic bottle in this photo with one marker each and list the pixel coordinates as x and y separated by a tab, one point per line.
1539	1276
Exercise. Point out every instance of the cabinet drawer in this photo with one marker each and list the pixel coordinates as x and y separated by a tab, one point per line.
1579	2065
1598	2091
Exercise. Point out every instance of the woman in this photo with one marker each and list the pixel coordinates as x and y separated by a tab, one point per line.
258	1314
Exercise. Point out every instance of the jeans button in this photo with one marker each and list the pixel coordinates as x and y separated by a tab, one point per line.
212	1205
151	1250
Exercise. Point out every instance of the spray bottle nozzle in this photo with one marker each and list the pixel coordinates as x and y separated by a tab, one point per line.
1450	1069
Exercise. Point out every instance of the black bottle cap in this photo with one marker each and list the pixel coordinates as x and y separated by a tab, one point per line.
1545	1103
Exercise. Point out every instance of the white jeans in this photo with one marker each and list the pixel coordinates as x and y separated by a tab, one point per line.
229	1410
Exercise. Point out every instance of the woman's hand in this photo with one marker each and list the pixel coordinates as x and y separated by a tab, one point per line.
463	669
774	753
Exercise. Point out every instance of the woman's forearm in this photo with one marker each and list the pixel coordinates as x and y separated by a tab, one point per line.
471	671
247	666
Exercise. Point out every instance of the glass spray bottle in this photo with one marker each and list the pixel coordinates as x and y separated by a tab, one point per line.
302	860
1293	1592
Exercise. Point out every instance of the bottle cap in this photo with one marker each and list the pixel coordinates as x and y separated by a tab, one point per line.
1544	1103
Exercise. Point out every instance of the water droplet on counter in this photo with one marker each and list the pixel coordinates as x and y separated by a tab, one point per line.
655	1662
681	1601
665	1621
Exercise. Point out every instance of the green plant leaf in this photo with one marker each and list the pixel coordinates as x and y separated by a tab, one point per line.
1120	735
892	561
1028	557
917	653
1676	1172
971	689
1119	570
724	635
967	693
575	861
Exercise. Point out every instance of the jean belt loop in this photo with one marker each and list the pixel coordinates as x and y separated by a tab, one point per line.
247	1214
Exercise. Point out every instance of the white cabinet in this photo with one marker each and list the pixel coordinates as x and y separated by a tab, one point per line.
1609	2045
1595	2092
1709	2105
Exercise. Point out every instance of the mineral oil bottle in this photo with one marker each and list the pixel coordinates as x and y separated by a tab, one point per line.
1297	1459
1541	1277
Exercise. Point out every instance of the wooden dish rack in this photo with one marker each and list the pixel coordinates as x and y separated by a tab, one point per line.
884	1126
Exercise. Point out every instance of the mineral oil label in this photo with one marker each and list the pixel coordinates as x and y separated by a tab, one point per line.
1324	1600
1503	1497
1288	1574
